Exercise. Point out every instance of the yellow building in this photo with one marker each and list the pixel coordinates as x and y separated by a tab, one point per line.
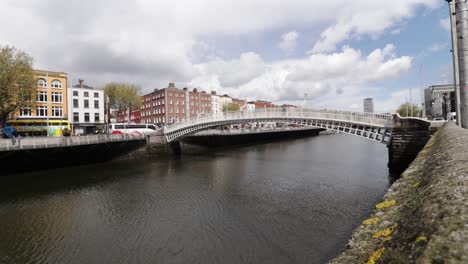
51	101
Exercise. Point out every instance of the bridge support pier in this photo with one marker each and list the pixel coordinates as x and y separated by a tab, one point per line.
409	136
174	148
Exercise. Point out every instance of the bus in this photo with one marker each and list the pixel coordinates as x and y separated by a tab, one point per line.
39	127
121	128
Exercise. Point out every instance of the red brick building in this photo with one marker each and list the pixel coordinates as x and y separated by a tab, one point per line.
122	117
239	102
199	103
170	105
259	104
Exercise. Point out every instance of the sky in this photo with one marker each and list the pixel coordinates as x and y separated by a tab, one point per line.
321	54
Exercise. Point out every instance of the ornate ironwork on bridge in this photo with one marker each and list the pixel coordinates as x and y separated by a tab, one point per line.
374	127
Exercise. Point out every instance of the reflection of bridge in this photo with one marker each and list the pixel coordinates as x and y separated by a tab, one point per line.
404	137
370	126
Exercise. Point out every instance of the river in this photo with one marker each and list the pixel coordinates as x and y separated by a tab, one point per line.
295	201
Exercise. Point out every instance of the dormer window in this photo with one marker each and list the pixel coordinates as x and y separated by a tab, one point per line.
56	84
42	83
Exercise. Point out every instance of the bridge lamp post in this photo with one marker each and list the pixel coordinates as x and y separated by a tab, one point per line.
303	105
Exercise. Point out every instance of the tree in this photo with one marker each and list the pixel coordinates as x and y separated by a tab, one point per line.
17	84
231	107
405	110
123	96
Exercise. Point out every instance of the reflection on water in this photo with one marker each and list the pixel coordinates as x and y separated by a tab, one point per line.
285	202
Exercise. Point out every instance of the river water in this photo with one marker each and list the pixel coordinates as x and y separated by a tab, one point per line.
295	201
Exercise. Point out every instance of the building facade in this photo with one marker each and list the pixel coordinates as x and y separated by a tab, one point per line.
51	101
369	105
86	108
250	107
439	100
241	103
216	104
260	104
170	105
123	117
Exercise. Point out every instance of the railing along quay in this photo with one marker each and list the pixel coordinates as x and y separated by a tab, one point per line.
54	142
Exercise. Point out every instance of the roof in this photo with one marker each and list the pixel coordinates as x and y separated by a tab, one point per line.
50	73
84	86
441	87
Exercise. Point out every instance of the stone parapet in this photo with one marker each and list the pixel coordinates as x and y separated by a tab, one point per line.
409	135
424	215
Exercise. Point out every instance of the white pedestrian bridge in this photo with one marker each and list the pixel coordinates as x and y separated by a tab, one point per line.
376	127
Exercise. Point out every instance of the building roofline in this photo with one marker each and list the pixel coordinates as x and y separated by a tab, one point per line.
51	73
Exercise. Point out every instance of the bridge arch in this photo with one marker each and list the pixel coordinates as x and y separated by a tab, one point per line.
374	127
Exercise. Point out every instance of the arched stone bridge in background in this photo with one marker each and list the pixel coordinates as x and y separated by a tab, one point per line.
405	137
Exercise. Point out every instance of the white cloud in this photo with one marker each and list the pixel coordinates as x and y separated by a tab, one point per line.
445	23
320	75
152	42
366	18
234	72
289	41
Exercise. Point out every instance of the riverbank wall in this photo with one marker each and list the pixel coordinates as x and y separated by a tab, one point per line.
23	160
424	215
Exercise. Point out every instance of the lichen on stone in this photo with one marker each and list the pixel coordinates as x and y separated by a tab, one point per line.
371	221
386	232
376	255
421	239
385	204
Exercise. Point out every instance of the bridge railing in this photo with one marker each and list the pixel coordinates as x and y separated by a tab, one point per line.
52	142
345	116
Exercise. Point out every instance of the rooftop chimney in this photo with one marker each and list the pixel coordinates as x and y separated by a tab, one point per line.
81	83
213	92
171	85
195	90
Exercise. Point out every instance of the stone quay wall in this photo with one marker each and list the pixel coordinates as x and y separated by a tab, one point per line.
424	215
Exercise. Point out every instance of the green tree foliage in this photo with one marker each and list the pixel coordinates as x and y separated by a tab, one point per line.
17	84
231	107
405	110
123	96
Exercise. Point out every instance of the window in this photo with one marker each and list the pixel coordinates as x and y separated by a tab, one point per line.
96	104
56	84
41	111
75	103
86	117
76	117
56	111
86	94
25	111
86	103
96	117
42	96
96	95
42	83
75	93
56	97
